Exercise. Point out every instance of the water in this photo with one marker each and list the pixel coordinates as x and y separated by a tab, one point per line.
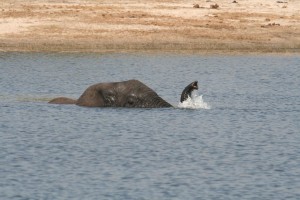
194	102
238	139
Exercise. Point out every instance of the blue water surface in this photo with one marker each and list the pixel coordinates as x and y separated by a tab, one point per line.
246	146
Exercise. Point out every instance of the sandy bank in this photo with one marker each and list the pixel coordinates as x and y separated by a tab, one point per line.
155	25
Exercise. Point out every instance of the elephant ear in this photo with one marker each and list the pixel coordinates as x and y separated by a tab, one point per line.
91	97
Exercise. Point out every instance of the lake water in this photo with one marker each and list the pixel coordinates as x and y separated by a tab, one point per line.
242	142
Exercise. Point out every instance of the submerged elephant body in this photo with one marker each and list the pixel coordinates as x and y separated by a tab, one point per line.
132	93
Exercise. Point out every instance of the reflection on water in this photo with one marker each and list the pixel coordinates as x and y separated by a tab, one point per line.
241	143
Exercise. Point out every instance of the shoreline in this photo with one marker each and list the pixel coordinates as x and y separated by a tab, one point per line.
62	47
156	26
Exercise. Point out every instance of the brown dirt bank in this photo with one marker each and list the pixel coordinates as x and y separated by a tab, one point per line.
155	25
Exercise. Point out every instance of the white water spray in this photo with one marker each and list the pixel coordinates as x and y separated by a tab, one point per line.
194	102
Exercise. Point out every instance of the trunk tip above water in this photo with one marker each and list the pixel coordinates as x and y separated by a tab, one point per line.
188	91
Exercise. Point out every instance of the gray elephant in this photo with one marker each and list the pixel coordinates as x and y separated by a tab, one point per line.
131	93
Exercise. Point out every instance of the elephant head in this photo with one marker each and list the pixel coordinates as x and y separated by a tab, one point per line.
132	93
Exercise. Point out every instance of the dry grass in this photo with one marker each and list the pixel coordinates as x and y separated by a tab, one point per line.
158	25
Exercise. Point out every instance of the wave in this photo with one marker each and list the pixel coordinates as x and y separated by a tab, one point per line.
194	102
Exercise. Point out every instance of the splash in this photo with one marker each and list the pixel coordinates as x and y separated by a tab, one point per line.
194	102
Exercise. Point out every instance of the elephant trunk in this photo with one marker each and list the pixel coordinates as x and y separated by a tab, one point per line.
188	91
160	103
154	102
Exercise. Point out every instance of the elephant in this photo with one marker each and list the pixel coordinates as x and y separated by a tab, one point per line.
131	94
